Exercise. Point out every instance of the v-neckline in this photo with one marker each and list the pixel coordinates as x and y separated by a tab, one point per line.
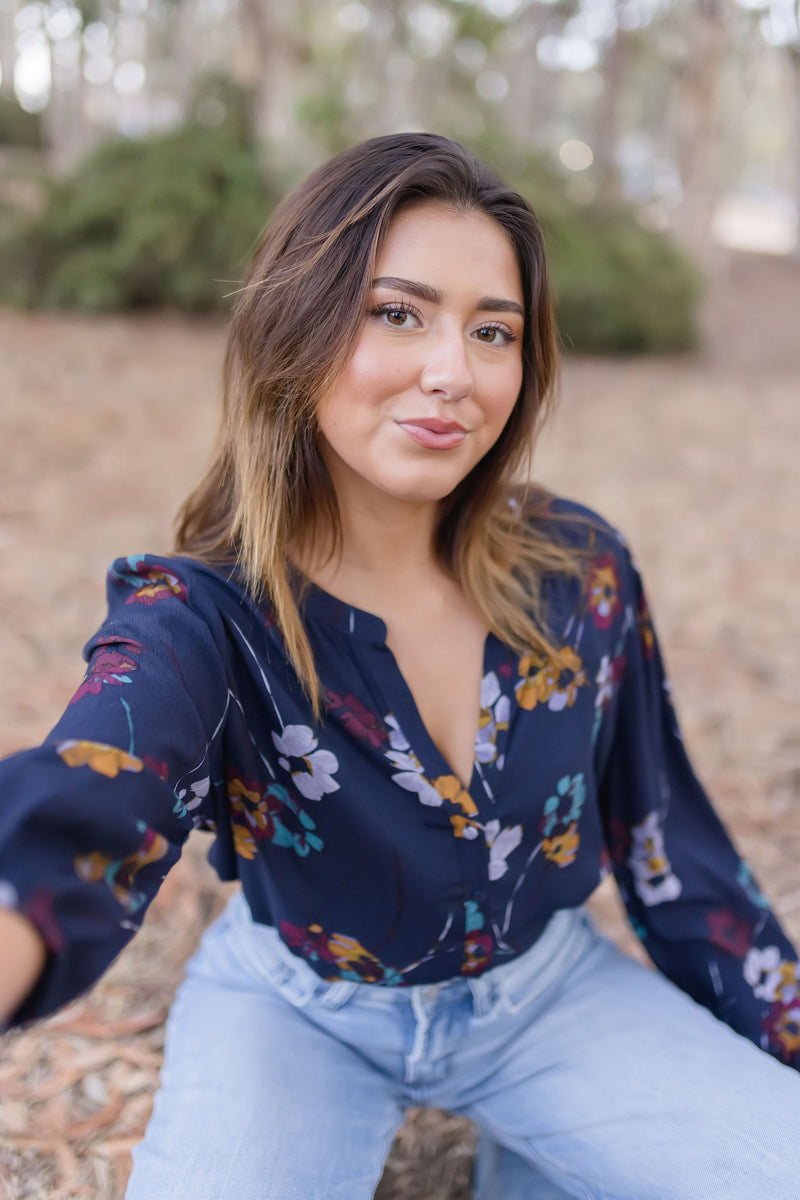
367	626
424	733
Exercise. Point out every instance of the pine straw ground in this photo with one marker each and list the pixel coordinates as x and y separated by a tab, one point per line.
105	424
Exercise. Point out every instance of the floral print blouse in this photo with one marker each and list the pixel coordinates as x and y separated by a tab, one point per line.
353	837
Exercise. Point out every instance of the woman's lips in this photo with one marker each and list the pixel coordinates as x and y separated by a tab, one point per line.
435	434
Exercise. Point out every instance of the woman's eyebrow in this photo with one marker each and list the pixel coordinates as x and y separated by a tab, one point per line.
424	291
495	304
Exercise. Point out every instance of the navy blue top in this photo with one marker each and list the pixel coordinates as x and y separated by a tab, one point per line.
353	837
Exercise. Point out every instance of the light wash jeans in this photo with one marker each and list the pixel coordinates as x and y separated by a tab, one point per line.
588	1074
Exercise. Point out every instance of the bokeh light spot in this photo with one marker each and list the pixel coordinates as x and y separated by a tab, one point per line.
98	68
470	54
492	85
575	155
97	38
129	77
63	23
353	17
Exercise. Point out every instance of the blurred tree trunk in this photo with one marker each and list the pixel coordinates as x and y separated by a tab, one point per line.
794	59
614	70
398	104
184	51
698	112
534	87
272	51
68	134
8	56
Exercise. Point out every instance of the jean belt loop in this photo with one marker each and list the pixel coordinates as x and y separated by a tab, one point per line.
422	1019
338	993
484	994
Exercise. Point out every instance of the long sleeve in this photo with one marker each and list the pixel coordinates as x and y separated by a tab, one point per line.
92	820
690	898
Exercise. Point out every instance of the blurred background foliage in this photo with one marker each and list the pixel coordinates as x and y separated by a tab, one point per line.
143	143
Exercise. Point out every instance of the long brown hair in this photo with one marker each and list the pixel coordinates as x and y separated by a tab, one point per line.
294	325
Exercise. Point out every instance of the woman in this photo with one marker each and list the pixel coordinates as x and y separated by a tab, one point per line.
424	712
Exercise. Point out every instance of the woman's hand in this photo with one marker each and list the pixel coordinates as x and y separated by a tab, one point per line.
22	957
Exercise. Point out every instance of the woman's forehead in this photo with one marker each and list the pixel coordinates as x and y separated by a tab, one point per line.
433	242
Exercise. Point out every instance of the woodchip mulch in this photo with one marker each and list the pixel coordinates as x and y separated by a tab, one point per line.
106	423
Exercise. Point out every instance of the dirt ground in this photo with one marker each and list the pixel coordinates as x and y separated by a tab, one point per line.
106	423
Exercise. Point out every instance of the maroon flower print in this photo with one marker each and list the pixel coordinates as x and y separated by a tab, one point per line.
730	932
357	720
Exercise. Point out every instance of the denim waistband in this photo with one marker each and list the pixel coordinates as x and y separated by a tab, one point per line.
566	937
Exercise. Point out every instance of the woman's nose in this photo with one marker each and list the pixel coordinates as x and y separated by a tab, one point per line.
447	371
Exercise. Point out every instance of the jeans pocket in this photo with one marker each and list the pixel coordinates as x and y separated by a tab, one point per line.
260	959
566	938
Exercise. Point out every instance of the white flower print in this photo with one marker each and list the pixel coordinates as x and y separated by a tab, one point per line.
189	798
558	701
196	793
605	682
9	897
411	773
490	690
602	603
397	739
297	741
485	749
413	779
501	843
770	977
653	877
495	712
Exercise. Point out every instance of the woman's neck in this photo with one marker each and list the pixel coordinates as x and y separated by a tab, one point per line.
385	543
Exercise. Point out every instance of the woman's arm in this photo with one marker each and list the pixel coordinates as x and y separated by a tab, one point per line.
690	897
92	820
22	953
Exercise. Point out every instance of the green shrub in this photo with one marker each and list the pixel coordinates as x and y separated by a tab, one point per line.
619	288
170	221
165	221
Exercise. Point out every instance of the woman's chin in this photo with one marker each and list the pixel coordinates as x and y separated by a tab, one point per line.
412	480
429	490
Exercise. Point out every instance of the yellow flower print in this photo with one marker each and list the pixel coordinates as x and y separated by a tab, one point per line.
463	827
238	793
270	813
787	1029
350	955
243	842
476	953
653	877
771	977
119	874
789	976
161	583
554	683
604	600
337	956
254	808
106	760
451	789
91	866
645	626
562	847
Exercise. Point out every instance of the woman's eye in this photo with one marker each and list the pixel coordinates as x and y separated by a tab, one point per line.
494	335
399	316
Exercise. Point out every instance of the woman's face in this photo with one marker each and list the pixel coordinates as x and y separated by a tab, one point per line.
437	367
